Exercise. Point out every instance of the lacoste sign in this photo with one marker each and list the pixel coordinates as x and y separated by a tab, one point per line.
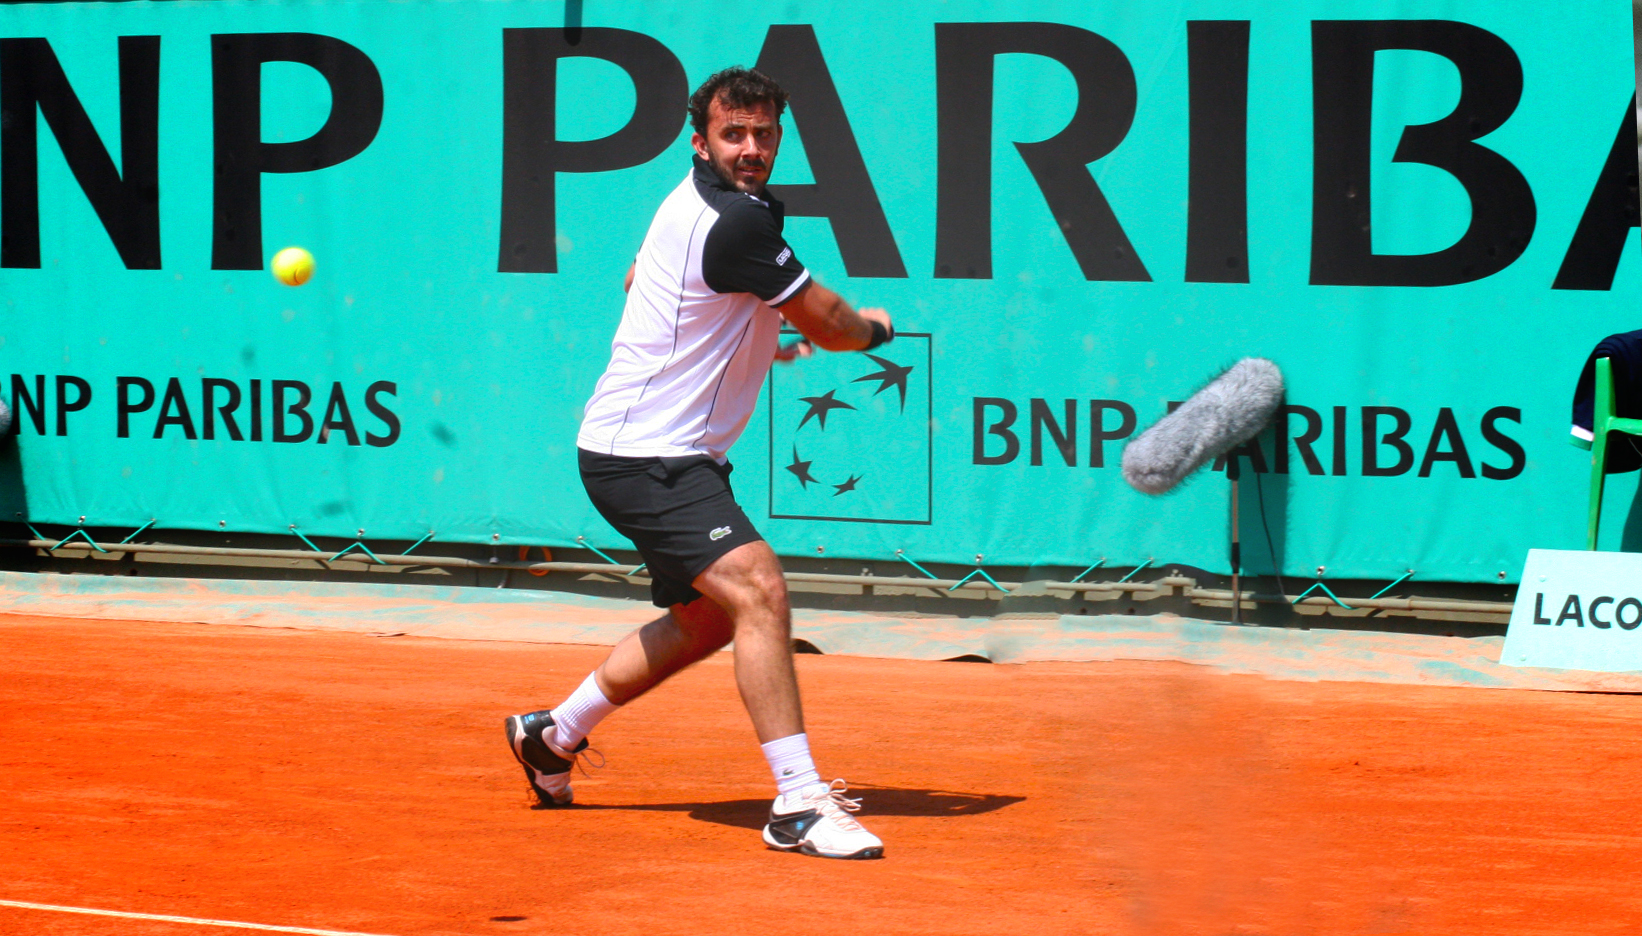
1577	610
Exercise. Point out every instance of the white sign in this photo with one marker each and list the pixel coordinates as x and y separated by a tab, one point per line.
1577	610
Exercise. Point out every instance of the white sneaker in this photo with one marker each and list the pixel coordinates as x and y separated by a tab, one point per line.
532	738
818	822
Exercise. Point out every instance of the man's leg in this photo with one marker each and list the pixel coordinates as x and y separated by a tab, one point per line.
747	583
808	815
745	597
646	657
547	742
642	660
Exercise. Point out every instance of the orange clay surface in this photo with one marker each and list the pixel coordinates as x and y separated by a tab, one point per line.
349	783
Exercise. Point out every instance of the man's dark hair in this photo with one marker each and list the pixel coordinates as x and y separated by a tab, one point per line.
735	87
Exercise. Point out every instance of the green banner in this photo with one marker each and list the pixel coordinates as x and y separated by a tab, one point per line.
1077	213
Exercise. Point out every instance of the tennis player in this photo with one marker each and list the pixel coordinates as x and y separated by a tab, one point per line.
705	299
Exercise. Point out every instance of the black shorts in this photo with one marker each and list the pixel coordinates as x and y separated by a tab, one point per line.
679	512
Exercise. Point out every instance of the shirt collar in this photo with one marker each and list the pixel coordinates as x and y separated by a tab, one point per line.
704	175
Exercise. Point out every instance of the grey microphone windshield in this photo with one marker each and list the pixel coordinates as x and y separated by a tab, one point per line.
1231	410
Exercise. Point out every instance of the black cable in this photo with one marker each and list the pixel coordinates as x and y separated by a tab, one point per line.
1271	549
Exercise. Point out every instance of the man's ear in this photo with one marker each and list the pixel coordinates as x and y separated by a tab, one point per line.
700	143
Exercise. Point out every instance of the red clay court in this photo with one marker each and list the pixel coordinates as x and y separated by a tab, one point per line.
349	783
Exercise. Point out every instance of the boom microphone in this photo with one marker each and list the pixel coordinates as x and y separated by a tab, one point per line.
1231	410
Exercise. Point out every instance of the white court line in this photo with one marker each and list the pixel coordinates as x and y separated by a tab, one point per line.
198	921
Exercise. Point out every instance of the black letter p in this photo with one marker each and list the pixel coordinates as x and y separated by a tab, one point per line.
242	157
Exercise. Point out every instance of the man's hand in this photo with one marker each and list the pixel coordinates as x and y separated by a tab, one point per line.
882	318
801	348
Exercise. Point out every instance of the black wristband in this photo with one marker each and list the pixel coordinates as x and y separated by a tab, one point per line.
880	334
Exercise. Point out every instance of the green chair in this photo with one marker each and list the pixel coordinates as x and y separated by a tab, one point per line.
1603	421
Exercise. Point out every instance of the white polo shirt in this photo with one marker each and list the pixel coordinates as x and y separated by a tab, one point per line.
700	328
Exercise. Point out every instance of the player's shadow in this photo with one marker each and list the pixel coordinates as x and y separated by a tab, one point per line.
14	508
876	801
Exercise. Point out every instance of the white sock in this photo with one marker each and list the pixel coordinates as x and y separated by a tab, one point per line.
577	715
791	763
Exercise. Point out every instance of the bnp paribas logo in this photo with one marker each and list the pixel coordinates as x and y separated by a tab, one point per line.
851	435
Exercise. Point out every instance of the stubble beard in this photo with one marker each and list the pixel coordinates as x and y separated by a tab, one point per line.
724	168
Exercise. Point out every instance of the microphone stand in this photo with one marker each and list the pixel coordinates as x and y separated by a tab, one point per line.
1232	474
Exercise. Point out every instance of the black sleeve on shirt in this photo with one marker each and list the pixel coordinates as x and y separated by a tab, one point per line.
745	252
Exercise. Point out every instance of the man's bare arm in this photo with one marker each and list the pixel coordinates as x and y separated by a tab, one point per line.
627	284
823	317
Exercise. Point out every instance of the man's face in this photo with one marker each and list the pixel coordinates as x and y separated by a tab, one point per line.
740	144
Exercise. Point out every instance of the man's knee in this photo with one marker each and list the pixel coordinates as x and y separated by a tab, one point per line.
746	577
765	591
769	582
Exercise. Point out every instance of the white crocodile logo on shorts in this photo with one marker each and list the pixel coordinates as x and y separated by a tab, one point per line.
719	534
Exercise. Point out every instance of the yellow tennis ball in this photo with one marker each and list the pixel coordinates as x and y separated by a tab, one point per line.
293	266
